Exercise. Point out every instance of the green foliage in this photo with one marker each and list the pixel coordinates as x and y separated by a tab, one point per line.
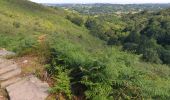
76	19
26	46
151	55
130	47
90	23
108	28
150	32
165	56
62	82
78	59
113	74
103	9
19	43
16	24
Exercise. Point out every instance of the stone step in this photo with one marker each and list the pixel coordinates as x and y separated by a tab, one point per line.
6	53
10	74
12	87
41	85
2	60
8	68
27	89
10	81
6	63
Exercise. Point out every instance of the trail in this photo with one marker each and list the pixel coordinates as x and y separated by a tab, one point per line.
18	87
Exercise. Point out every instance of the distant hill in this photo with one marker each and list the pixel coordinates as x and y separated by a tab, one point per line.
21	17
111	8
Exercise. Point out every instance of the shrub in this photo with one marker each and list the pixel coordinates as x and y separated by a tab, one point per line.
26	45
61	82
16	24
130	47
90	23
151	55
76	20
165	56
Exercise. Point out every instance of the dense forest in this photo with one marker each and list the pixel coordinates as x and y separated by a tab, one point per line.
142	33
92	57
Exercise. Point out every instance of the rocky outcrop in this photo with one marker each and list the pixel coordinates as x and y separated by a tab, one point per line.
29	88
6	53
18	87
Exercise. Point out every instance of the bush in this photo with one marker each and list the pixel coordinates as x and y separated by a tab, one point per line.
151	55
113	41
18	43
130	47
165	56
61	81
76	20
26	45
16	24
90	23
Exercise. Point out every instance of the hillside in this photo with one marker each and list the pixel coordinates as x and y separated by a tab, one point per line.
20	17
79	65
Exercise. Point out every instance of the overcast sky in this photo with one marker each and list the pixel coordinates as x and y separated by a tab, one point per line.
102	1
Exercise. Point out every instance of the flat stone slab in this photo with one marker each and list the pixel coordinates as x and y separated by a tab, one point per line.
10	74
2	60
6	63
27	88
30	88
8	68
10	81
6	53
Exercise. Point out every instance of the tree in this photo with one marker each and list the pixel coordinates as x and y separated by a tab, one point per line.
165	56
90	23
151	55
133	37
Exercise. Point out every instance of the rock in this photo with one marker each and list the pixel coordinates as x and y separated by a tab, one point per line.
28	89
2	60
25	61
2	98
4	53
10	74
8	68
6	63
9	82
43	86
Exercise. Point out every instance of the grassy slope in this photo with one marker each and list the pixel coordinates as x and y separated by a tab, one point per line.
35	20
75	42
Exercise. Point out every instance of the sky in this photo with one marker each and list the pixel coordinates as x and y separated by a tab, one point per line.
102	1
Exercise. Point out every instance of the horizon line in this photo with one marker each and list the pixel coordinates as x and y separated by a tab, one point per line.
105	3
